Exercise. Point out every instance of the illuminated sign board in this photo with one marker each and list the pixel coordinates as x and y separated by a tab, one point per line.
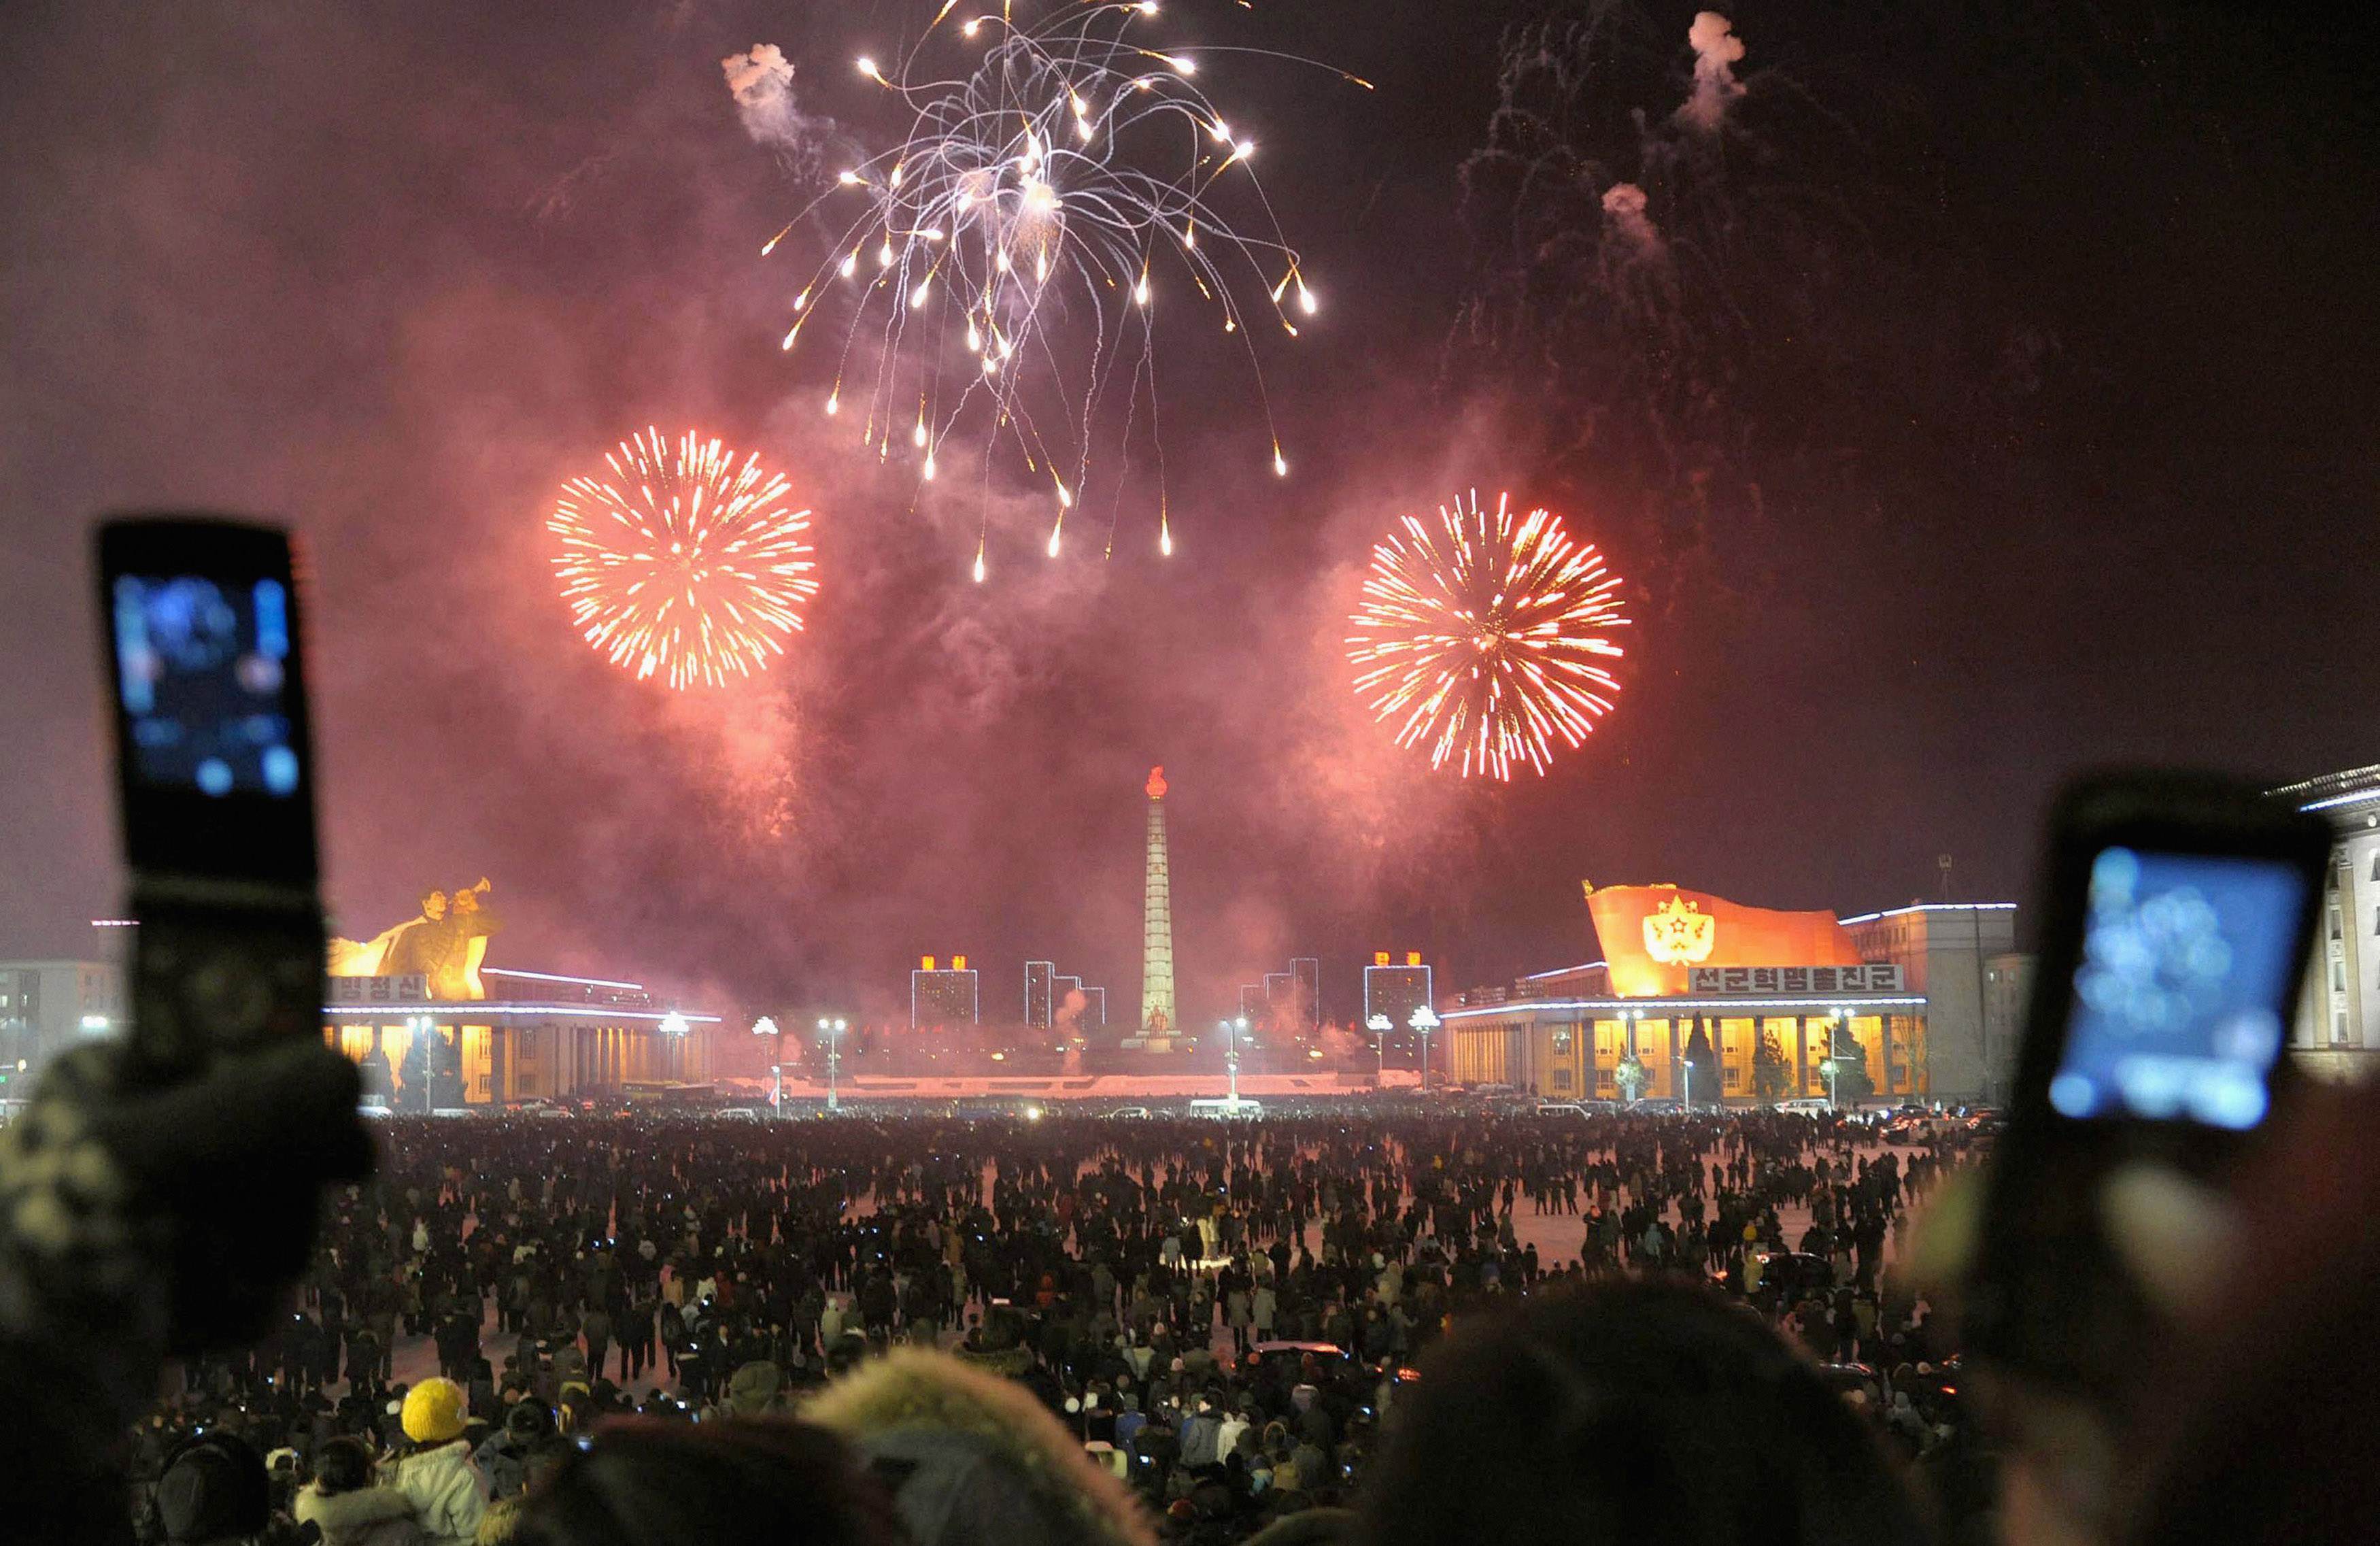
1871	978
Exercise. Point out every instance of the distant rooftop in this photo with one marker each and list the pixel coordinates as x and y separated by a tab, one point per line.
2334	789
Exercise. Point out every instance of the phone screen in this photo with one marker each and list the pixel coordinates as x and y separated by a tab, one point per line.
202	679
2180	997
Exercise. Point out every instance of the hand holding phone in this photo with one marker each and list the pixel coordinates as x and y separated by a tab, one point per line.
2179	915
206	665
223	1108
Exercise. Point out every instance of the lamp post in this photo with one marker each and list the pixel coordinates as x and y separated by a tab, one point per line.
1835	1019
831	1032
1380	1025
767	1027
1425	1019
1233	1030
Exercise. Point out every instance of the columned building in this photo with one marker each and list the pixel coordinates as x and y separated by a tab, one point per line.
2336	1034
538	1036
1717	1002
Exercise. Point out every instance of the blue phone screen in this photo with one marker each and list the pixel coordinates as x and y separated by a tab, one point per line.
2181	998
203	672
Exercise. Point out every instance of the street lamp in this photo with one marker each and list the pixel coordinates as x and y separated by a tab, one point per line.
1425	1019
1233	1030
1380	1025
1635	1051
767	1027
1832	1065
831	1032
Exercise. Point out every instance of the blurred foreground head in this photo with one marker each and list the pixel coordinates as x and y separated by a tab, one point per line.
644	1481
1631	1412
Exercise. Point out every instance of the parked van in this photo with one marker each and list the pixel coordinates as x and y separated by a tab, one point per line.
1241	1110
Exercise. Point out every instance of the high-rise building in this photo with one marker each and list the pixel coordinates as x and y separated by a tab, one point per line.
941	995
46	1006
1252	1003
1040	1000
1395	990
1095	1012
1305	978
1157	1017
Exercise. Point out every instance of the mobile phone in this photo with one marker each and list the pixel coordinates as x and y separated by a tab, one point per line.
2177	915
216	788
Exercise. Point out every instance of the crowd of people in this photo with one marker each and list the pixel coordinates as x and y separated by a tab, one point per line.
1220	1315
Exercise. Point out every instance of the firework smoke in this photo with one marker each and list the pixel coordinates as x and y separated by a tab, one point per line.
762	83
1716	52
1623	205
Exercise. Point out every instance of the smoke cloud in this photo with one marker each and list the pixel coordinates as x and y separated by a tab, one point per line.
1716	52
762	83
1623	208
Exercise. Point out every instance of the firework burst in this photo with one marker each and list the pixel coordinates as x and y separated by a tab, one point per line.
1485	636
685	563
1073	173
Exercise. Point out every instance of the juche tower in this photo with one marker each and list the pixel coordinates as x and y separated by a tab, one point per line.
1157	922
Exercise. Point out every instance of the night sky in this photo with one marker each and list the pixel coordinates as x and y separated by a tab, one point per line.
2007	405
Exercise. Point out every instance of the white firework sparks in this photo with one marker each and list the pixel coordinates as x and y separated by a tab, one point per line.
1001	274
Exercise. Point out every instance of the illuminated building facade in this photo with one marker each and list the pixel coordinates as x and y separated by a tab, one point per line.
1041	993
1713	1002
1157	1013
1396	990
538	1036
2335	1032
941	995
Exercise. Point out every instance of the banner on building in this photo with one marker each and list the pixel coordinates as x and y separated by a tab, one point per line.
1872	978
407	988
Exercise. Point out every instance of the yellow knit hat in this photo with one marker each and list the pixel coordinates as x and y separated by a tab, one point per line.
433	1412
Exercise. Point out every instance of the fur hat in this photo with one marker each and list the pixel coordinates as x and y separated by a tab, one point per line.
433	1412
971	1458
752	1390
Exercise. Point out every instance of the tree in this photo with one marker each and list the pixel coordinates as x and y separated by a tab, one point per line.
1632	1075
1702	1058
1849	1061
1772	1073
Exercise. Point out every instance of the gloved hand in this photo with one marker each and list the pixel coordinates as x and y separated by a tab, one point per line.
210	1190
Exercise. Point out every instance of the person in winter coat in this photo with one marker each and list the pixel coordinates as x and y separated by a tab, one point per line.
1202	1438
342	1503
502	1458
447	1494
